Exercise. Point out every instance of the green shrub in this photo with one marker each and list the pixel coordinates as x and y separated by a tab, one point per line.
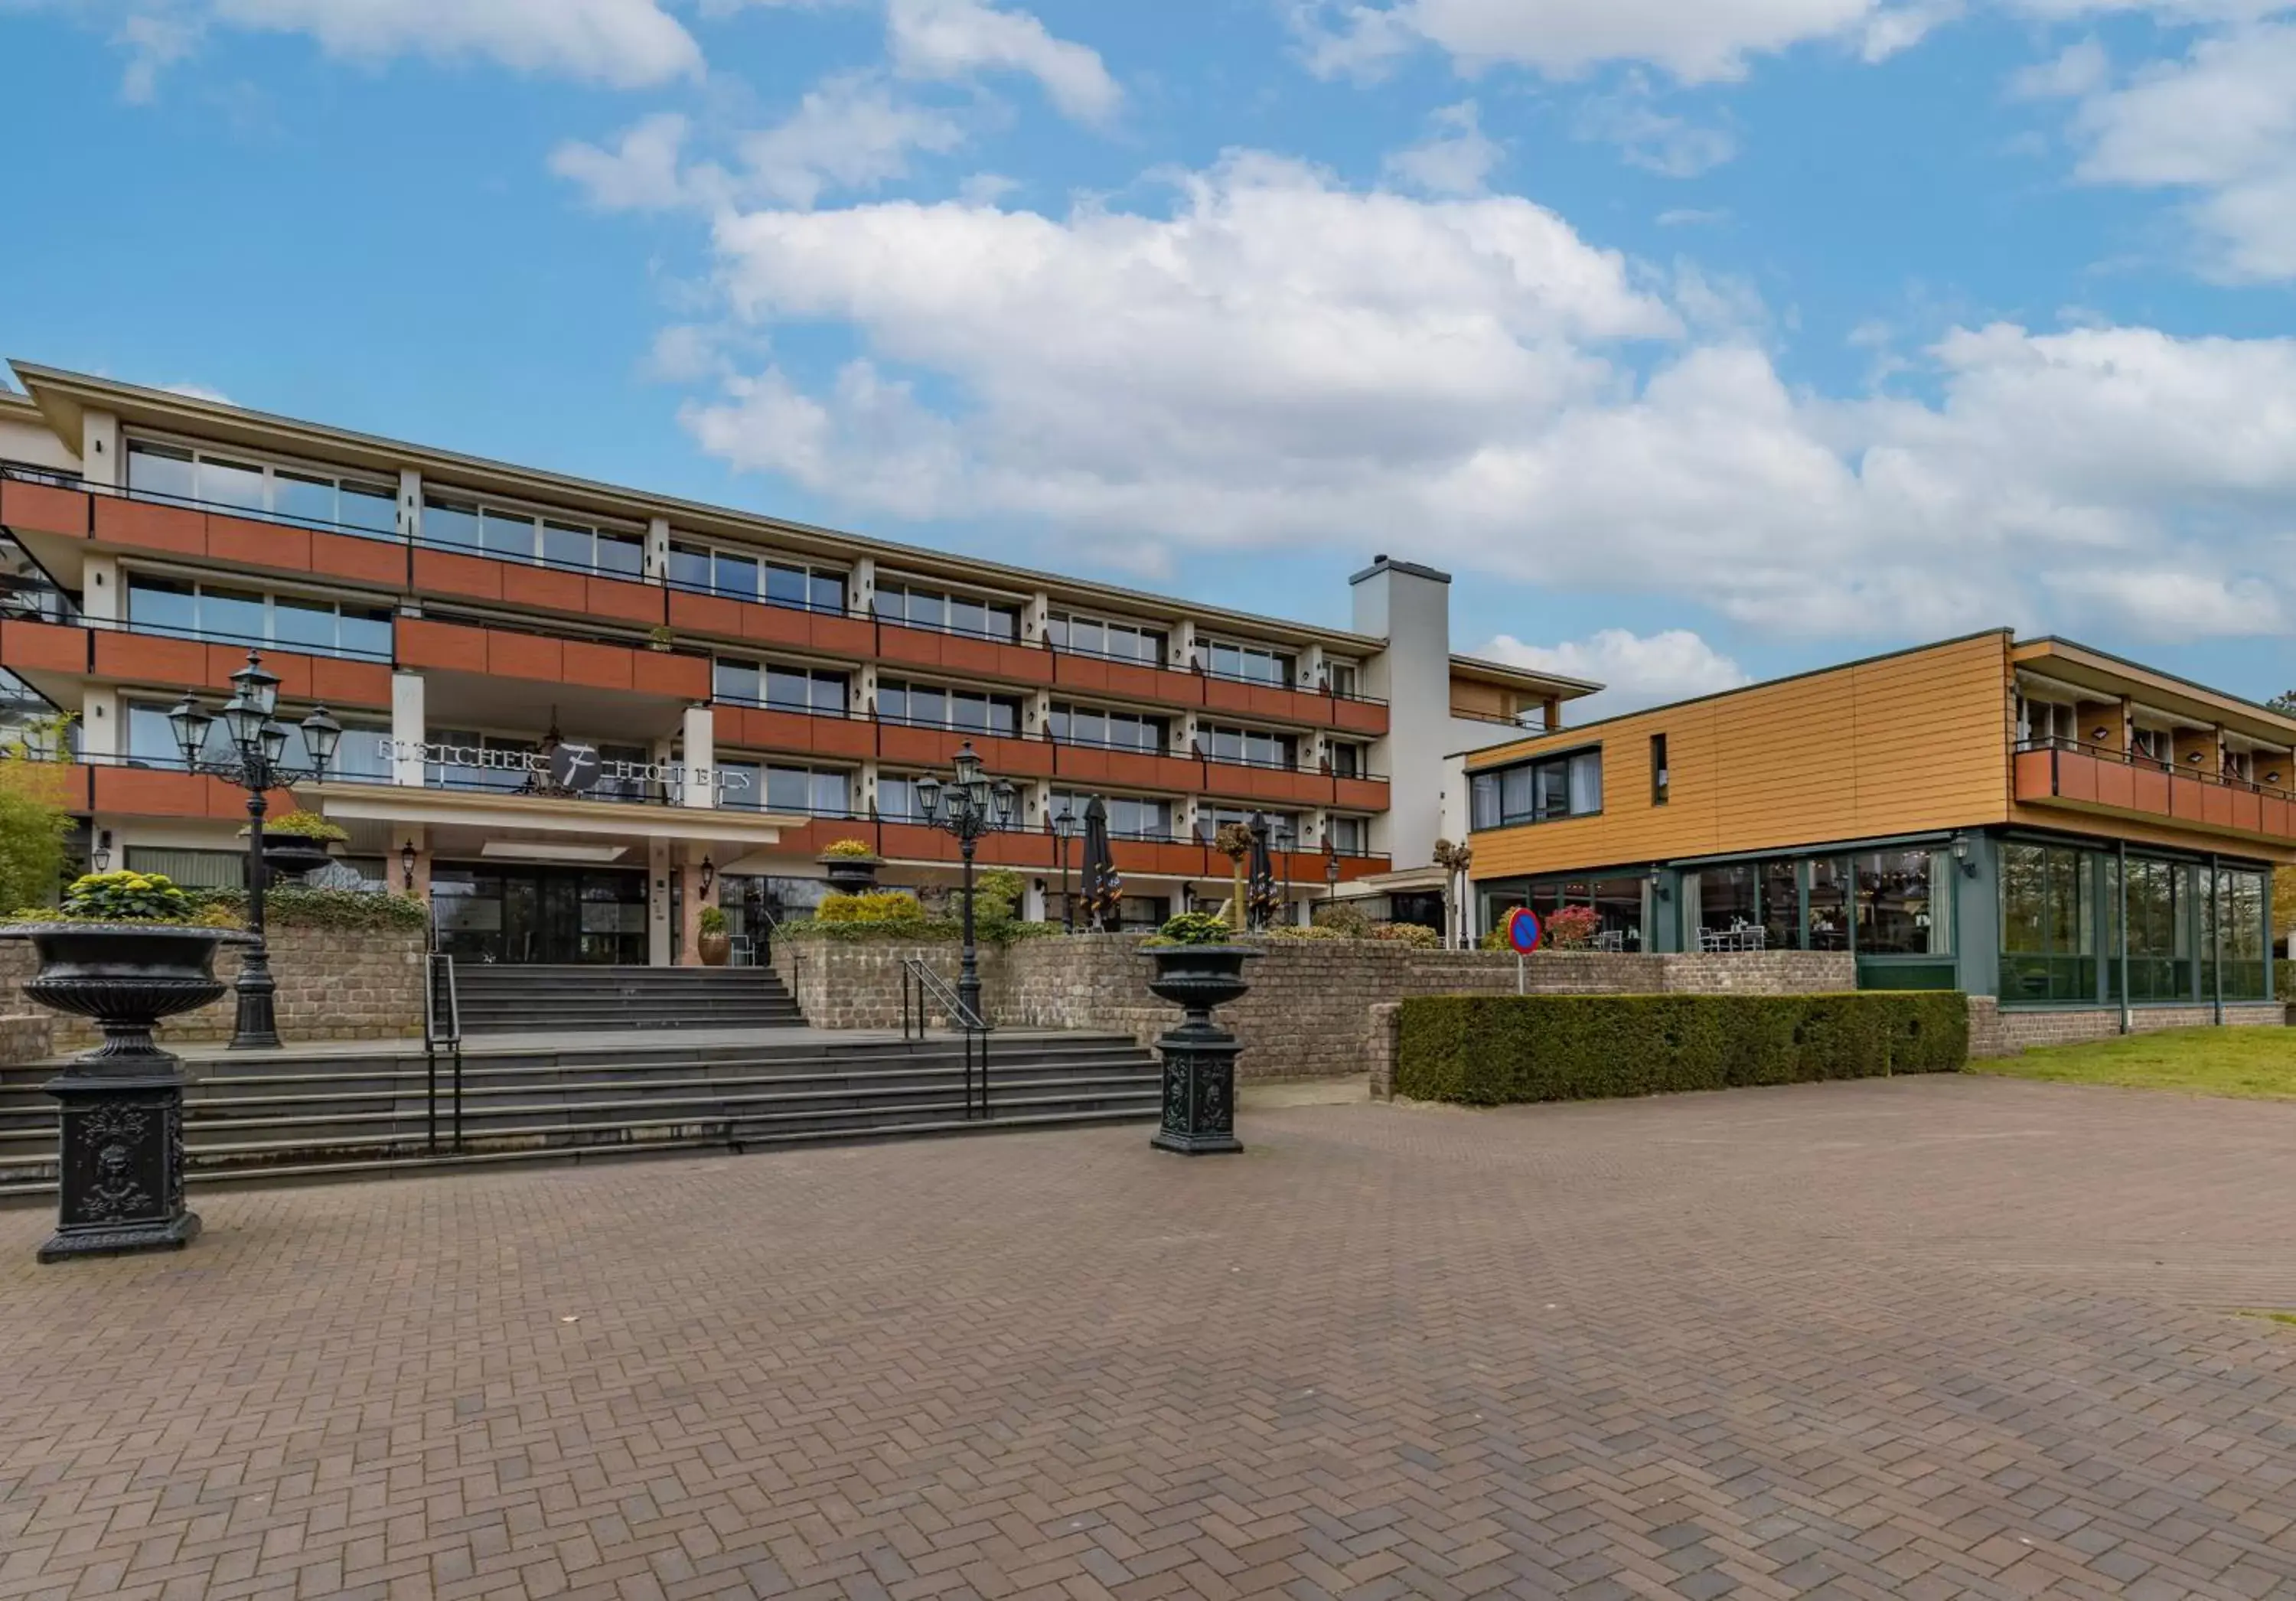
1493	1050
1194	928
310	824
295	906
849	850
2283	977
1349	921
32	830
1416	935
712	920
125	897
878	907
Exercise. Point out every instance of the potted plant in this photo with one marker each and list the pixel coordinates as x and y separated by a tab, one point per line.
660	638
852	867
294	843
1198	968
713	943
124	950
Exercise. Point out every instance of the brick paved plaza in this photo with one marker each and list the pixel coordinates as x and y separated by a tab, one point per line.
1914	1337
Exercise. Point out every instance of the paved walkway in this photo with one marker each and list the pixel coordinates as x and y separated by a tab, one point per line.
1914	1338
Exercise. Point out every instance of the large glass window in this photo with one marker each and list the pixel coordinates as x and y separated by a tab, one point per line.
297	494
930	706
1281	824
234	616
515	536
2233	923
361	755
1829	905
784	688
1899	909
1618	904
1728	914
1251	747
1129	816
776	787
1543	790
1117	730
2049	923
2159	931
1096	636
920	608
1253	663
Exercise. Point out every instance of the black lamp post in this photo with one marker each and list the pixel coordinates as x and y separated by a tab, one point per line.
1065	827
257	742
975	806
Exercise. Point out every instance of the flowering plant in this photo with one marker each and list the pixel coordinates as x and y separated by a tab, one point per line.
1571	927
125	897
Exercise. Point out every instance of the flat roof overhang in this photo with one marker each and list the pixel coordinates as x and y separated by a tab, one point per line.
549	818
2109	677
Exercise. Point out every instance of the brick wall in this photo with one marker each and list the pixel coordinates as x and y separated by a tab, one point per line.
1996	1032
1309	1014
334	984
27	1038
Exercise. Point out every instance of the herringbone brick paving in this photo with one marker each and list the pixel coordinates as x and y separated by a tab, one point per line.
1914	1337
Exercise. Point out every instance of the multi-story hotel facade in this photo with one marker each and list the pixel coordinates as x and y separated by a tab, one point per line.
2033	820
574	714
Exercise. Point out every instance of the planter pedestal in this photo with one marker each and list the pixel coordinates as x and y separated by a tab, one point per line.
1199	1056
119	1163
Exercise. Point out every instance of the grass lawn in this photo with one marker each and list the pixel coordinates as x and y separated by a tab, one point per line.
2209	1062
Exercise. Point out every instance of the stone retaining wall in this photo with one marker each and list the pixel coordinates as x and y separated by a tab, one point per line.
334	984
1310	1011
1996	1032
27	1038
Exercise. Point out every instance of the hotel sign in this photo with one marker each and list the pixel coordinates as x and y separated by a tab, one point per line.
568	767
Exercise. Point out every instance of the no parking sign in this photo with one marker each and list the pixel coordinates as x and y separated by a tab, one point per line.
1524	931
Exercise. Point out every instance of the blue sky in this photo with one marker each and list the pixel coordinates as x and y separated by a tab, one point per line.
1701	339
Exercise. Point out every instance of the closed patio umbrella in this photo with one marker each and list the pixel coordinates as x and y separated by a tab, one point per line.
1262	891
1104	886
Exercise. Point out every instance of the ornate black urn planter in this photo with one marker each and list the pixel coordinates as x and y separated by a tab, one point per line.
119	1170
295	854
1199	1056
852	875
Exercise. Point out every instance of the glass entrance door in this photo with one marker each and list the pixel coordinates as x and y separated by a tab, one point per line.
537	914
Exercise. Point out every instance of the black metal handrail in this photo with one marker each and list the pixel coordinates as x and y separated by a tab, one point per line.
32	472
2151	764
927	989
134	625
442	1027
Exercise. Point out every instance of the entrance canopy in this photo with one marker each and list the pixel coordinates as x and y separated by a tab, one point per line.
480	824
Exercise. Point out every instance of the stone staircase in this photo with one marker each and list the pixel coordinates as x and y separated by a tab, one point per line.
506	999
289	1116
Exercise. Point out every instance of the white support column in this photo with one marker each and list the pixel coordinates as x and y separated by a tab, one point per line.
1040	711
1184	645
865	788
410	505
1033	619
657	547
700	787
100	464
861	594
409	730
1311	666
100	598
100	733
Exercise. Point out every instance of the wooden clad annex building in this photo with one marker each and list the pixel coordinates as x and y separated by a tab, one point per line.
2031	819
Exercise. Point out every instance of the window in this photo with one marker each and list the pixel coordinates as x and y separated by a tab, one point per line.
1343	677
480	762
1349	836
1544	790
1726	912
2156	746
1114	730
896	802
201	611
774	786
360	755
2045	724
1249	747
2160	896
299	494
783	688
1093	636
1283	826
1134	912
1617	902
1251	663
1129	817
2233	922
1347	760
2049	923
1660	776
1901	906
964	711
917	608
193	869
512	535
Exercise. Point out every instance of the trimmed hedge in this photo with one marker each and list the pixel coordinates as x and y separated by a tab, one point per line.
1493	1050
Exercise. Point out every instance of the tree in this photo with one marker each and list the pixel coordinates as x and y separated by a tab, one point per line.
2285	700
32	830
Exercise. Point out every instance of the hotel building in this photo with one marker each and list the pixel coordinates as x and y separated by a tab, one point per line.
576	713
2028	819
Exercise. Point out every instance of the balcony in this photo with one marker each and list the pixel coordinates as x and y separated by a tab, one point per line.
56	657
578	592
2091	779
498	652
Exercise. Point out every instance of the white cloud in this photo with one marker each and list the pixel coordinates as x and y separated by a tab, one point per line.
1278	361
1635	669
1456	158
1649	138
154	42
1695	41
642	172
200	391
850	132
2078	70
953	39
2221	123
